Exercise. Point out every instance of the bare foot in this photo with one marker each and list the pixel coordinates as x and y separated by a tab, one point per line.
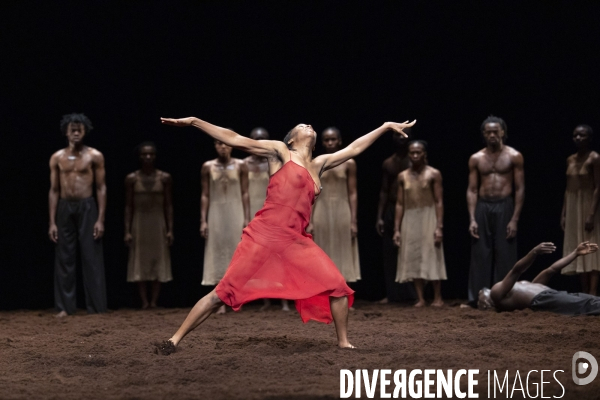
221	310
153	305
346	346
145	306
284	305
352	309
266	306
165	348
61	314
420	303
438	303
384	301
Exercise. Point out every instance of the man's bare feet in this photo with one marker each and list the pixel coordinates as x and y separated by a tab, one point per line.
61	314
384	301
221	310
284	305
420	303
165	348
438	303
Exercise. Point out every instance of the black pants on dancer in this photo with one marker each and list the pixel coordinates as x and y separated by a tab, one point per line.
394	291
75	220
492	255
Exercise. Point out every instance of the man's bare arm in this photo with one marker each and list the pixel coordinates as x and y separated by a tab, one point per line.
583	249
100	179
352	196
245	195
53	196
262	148
204	199
501	289
383	198
519	181
472	194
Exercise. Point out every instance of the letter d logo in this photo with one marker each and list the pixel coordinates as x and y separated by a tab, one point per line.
582	367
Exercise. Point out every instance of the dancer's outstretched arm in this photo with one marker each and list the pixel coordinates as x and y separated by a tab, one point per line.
501	289
583	249
328	161
262	148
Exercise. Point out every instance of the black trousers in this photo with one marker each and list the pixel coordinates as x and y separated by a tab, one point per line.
566	303
492	255
394	291
75	221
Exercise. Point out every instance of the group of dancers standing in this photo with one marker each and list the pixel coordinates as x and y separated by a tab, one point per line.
277	257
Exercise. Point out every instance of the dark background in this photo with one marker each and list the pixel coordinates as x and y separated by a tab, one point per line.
277	64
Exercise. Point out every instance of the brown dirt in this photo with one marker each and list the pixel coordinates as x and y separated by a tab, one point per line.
272	355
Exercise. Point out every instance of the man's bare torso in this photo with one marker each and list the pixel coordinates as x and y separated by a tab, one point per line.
76	172
496	172
520	296
392	166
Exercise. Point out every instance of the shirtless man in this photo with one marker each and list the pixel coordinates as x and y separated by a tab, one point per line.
510	295
392	166
492	173
74	217
258	180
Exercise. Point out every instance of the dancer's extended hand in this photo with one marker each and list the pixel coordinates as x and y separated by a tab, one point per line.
180	122
586	248
544	248
398	127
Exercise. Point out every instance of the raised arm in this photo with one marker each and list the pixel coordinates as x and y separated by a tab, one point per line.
399	211
204	199
168	190
100	179
262	148
472	194
501	289
53	196
352	197
583	249
328	161
438	195
519	180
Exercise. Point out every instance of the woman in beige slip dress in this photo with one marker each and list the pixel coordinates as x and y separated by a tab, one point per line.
580	218
258	180
224	212
333	222
418	225
148	225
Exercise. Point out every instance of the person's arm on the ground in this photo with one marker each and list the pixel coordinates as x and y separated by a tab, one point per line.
100	179
245	195
583	249
352	196
129	182
438	195
168	189
519	181
399	211
328	161
472	193
262	148
383	198
204	199
501	289
53	196
589	222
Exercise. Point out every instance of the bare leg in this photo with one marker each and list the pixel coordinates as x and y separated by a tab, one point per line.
284	305
339	311
437	294
143	294
266	305
585	282
202	310
222	310
419	288
593	283
155	293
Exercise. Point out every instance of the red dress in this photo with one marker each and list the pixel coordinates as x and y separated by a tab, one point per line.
278	259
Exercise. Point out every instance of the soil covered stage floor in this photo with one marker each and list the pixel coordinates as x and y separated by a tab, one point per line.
272	355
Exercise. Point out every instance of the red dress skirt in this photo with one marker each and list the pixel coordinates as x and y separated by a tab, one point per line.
278	259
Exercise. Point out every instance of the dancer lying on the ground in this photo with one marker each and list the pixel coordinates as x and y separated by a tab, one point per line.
510	295
276	257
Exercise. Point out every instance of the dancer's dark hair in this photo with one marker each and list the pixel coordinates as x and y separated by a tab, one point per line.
75	118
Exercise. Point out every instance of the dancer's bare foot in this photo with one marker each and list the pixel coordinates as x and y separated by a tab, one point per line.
284	305
153	305
384	301
352	309
420	303
61	314
165	348
145	306
438	303
266	305
221	310
346	345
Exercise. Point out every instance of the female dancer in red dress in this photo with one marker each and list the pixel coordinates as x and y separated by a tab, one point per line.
276	257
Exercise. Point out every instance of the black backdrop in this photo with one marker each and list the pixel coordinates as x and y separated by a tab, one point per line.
276	64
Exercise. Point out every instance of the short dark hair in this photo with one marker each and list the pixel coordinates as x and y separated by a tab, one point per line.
259	129
288	137
588	129
492	119
421	142
75	118
335	130
138	148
